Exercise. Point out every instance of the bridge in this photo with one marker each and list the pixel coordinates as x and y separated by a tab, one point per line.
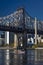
20	21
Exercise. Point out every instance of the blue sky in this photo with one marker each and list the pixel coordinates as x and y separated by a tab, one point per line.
33	7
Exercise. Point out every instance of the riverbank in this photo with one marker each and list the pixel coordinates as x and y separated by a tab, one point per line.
7	48
16	49
39	48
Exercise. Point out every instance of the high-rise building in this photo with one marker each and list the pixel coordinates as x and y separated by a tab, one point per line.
7	37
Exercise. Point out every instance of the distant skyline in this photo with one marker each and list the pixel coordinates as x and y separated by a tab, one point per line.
33	7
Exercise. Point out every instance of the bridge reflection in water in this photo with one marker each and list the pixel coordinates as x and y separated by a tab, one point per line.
30	57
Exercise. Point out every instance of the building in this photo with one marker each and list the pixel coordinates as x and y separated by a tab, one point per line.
6	37
9	37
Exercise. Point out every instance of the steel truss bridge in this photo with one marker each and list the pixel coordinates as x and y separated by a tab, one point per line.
20	21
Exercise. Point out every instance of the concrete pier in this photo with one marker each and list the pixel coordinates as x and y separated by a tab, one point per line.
15	41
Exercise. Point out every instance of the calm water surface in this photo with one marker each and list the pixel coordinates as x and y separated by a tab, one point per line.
30	57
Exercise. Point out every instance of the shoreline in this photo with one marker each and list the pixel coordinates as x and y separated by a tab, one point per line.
39	48
7	48
17	49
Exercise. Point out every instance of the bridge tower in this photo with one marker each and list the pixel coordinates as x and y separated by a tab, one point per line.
24	32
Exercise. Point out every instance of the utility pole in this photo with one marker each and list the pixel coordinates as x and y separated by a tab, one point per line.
35	30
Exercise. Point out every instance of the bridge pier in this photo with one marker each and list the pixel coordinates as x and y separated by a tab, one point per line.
25	40
15	41
20	40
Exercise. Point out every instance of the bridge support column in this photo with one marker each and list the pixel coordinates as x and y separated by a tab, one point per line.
35	31
15	41
24	40
7	37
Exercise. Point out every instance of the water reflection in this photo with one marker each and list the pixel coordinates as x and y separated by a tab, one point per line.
2	57
7	59
30	57
16	59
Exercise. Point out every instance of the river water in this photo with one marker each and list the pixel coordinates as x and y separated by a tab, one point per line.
30	57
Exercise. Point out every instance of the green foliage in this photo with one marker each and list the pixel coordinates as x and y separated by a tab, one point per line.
5	45
40	44
35	46
11	45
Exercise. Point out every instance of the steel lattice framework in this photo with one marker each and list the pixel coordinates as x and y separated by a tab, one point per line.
20	21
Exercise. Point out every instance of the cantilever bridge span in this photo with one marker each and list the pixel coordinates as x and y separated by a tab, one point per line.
19	22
